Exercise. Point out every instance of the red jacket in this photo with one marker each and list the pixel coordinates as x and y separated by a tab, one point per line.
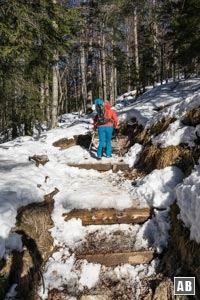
110	114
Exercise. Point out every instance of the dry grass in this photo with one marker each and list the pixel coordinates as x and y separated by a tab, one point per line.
23	268
182	253
182	258
143	138
34	222
161	126
190	250
154	157
192	118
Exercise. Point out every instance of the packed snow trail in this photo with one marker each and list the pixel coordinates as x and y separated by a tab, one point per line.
91	189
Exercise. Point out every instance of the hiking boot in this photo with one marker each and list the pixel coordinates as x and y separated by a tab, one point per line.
108	156
99	157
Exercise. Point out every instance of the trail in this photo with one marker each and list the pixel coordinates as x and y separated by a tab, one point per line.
92	189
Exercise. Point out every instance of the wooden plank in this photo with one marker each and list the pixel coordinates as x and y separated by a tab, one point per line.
113	259
109	216
120	167
95	297
97	166
101	167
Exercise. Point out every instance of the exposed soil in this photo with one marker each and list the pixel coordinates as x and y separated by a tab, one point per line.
118	241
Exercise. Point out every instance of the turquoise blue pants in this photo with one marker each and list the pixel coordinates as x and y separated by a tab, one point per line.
105	136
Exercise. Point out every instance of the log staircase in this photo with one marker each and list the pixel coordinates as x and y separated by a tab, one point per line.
117	248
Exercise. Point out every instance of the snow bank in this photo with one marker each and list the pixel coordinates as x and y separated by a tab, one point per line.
188	199
158	188
133	155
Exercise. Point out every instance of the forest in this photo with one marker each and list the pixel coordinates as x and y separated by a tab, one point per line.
57	56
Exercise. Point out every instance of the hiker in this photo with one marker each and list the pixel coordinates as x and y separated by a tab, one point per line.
105	121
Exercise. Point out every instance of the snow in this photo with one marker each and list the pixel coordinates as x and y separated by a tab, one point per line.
12	292
158	188
177	97
176	134
90	274
133	155
21	183
188	199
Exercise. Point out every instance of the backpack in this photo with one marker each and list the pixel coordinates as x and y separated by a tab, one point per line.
100	109
101	114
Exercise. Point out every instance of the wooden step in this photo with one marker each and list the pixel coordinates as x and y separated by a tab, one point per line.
113	259
109	216
102	167
95	297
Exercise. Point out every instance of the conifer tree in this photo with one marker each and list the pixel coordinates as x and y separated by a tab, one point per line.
183	33
30	32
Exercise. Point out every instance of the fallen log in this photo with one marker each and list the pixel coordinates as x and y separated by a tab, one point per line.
113	259
109	216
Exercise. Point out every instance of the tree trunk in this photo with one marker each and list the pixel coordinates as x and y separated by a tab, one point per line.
76	95
60	93
66	94
155	48
128	54
112	74
4	113
100	76
103	61
47	103
42	99
89	76
83	77
115	83
14	119
112	84
137	66
54	113
161	63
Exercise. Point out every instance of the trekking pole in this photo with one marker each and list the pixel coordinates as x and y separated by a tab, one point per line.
92	140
